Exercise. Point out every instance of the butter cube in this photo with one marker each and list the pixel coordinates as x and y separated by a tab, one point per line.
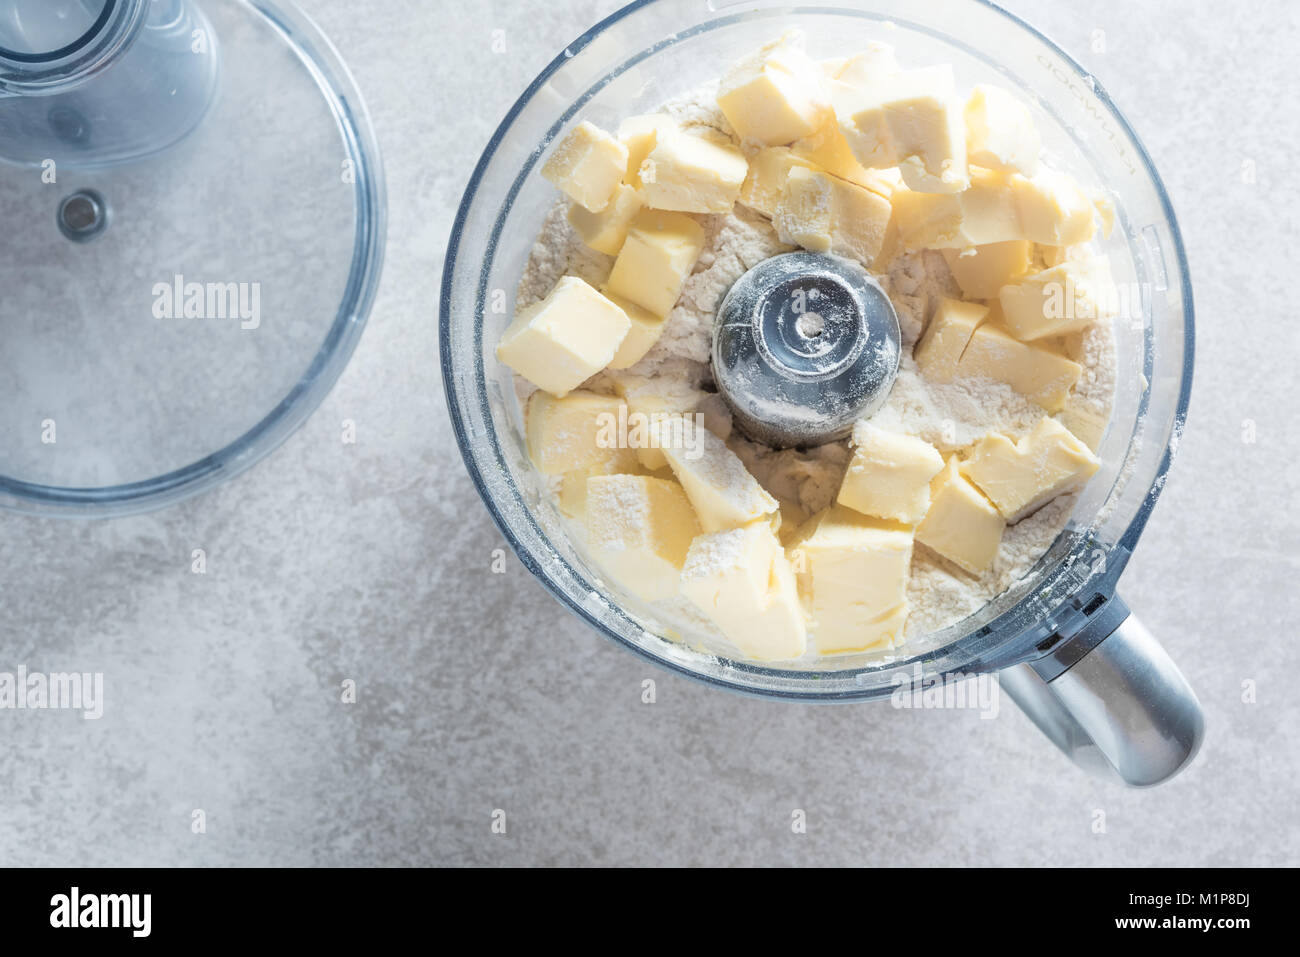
1000	133
644	332
1048	256
1059	300
910	120
1053	210
1019	477
640	134
639	529
946	336
775	95
873	64
828	150
693	174
889	474
743	581
605	231
1039	374
765	181
653	399
962	525
982	271
891	246
881	633
572	494
1049	209
588	165
1085	420
826	214
852	572
985	213
577	433
656	393
562	341
657	257
724	493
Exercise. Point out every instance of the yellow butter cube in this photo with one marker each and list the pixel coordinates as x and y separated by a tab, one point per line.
572	496
1049	256
887	631
982	271
983	214
579	432
573	493
1049	209
828	150
657	257
606	231
962	525
1000	132
765	181
825	214
946	336
588	165
1019	477
653	399
644	332
889	474
1052	209
852	572
911	120
1040	374
723	491
1058	300
693	173
640	134
741	579
562	341
639	529
1085	420
873	64
775	95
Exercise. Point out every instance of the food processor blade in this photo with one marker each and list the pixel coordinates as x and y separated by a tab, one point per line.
805	344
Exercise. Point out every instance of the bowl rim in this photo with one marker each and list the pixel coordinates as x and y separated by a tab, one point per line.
1125	543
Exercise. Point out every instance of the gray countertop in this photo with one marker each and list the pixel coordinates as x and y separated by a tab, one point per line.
476	691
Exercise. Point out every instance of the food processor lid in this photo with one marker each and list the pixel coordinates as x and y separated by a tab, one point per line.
193	224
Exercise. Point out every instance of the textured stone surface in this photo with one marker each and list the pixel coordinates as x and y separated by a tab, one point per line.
476	691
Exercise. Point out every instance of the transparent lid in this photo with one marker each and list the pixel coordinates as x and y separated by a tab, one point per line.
193	216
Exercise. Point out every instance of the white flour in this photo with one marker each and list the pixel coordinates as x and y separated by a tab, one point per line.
950	416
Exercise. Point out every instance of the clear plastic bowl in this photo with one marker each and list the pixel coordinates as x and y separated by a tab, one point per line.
651	51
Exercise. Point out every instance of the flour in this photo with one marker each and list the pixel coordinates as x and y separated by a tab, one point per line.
735	242
949	416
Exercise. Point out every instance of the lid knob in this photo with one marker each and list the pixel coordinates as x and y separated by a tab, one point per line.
804	345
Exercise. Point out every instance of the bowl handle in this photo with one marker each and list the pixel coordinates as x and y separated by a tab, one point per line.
1113	700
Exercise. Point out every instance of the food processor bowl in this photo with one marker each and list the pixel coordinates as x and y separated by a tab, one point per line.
1085	670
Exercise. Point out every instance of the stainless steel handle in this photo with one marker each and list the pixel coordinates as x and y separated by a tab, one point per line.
1113	700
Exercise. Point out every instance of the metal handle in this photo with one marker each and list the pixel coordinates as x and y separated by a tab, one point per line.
1113	700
